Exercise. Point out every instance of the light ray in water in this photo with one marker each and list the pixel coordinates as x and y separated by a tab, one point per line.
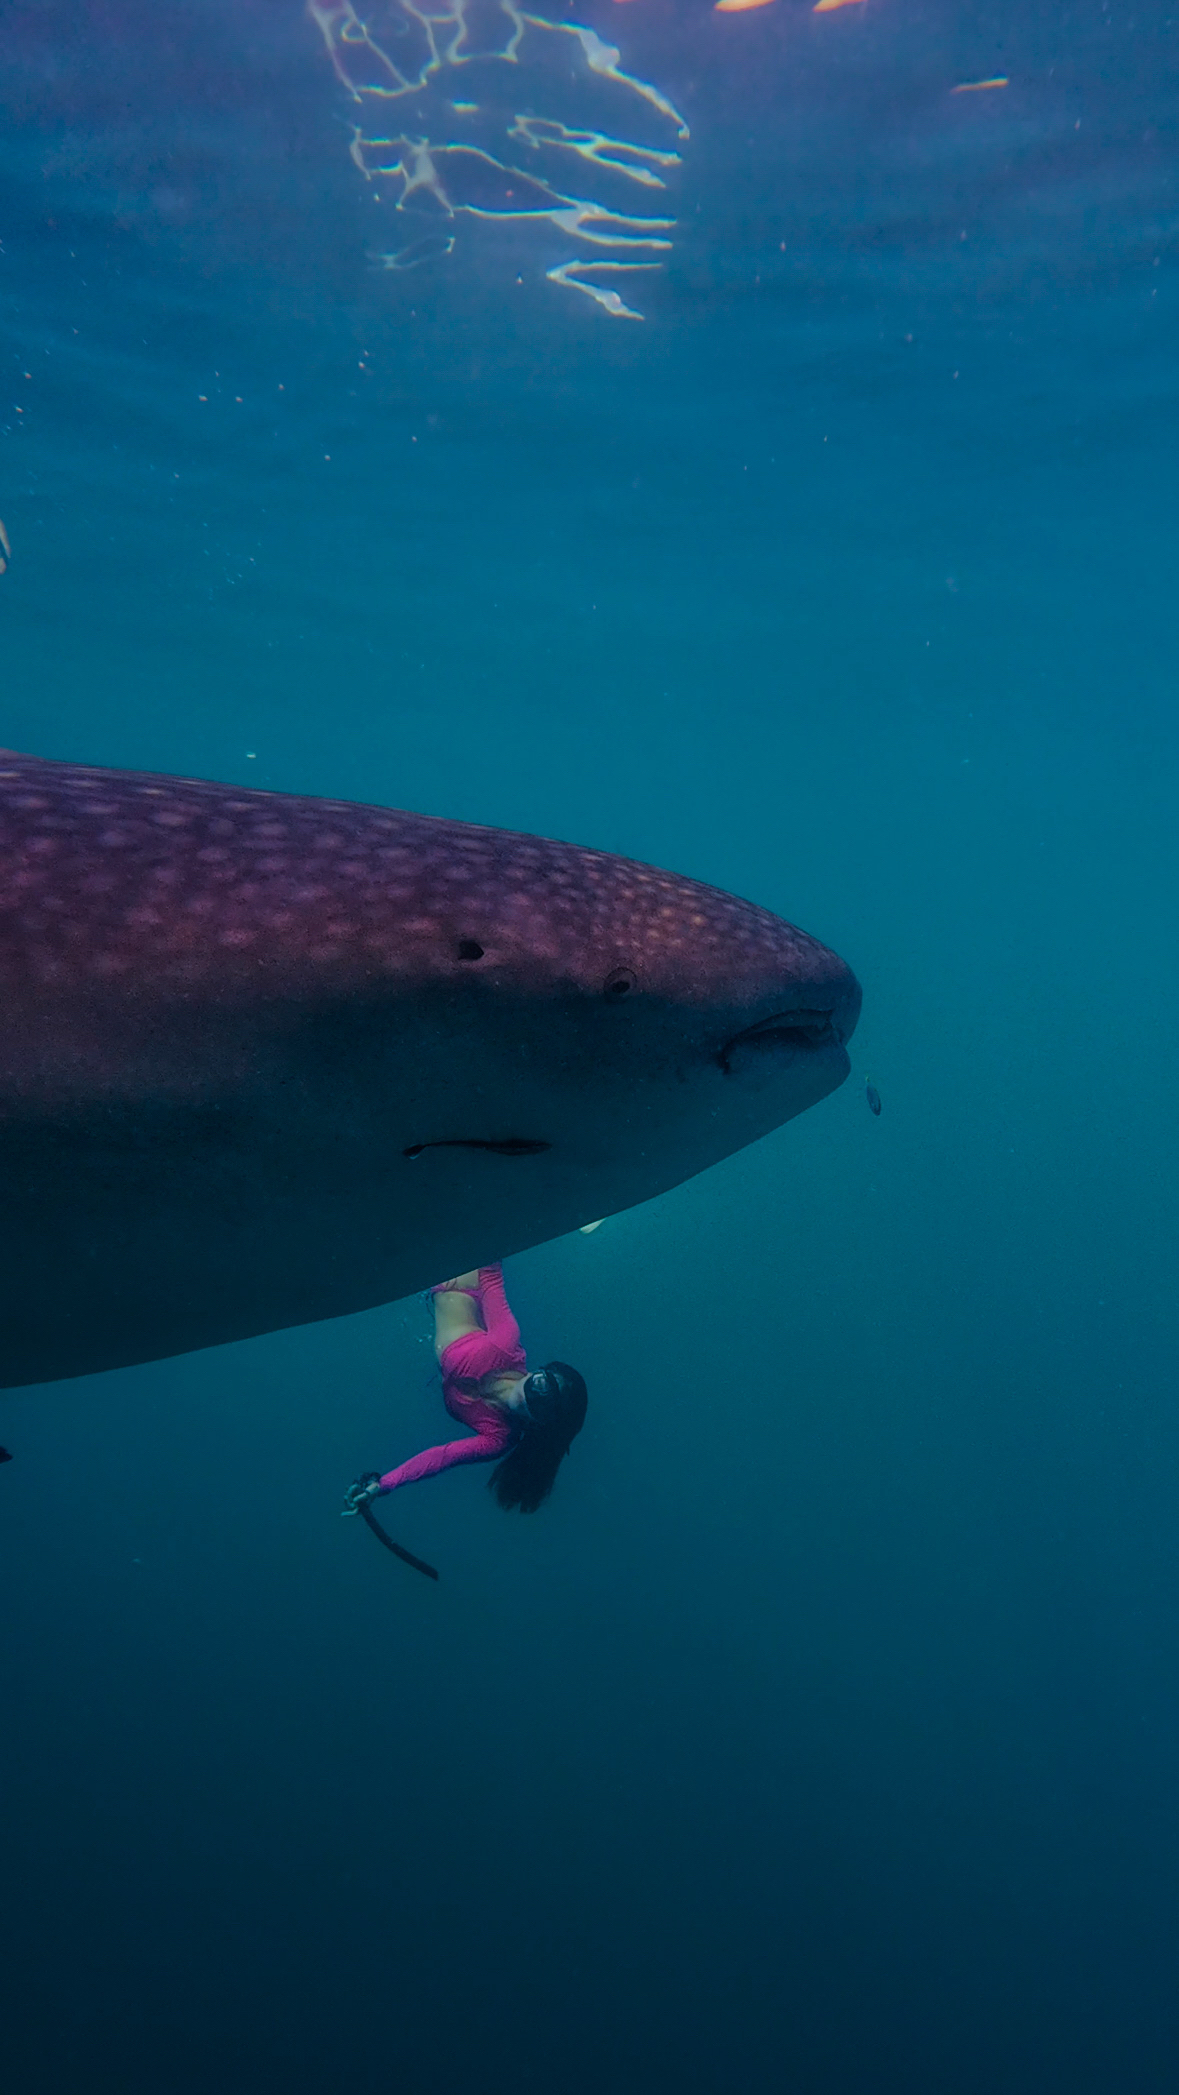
406	48
430	249
576	276
616	153
603	58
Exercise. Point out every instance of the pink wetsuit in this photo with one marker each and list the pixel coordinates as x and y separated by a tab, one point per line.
495	1350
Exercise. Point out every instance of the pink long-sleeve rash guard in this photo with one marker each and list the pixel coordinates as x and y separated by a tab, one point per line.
495	1350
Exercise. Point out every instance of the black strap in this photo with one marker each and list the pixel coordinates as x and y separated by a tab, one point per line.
406	1556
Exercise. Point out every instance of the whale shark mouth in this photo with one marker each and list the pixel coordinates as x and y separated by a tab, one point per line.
511	1146
786	1030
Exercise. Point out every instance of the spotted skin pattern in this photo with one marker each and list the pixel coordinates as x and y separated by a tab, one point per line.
109	876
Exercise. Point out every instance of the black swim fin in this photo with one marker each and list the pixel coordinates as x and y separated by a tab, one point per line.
419	1564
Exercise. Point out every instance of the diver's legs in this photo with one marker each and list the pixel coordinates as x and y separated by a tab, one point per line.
456	1310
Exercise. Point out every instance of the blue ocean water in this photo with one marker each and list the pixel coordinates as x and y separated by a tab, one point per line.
820	1733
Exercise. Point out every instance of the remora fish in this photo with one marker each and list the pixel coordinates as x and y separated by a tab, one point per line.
266	1059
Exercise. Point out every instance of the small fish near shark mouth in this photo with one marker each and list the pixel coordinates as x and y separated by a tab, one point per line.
511	1146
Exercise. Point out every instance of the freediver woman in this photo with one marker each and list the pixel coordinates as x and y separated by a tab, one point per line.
525	1423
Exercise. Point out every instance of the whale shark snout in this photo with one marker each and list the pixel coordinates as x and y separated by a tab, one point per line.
268	1059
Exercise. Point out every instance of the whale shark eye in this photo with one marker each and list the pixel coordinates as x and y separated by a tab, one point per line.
469	949
619	983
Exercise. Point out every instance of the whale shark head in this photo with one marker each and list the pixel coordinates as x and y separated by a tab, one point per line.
268	1059
632	1026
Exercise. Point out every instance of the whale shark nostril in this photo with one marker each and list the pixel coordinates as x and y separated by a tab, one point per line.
787	1029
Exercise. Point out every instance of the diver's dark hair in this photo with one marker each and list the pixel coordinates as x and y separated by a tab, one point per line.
556	1416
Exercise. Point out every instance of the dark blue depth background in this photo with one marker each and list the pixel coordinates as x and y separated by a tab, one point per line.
820	1734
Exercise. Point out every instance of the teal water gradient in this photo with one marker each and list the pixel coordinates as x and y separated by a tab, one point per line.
820	1733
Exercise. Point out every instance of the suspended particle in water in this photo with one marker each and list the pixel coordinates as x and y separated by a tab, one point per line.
873	1098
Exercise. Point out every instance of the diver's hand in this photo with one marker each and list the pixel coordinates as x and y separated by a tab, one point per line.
365	1489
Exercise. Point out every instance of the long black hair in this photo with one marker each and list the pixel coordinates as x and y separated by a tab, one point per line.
555	1416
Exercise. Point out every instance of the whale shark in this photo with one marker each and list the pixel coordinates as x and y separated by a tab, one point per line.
267	1059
